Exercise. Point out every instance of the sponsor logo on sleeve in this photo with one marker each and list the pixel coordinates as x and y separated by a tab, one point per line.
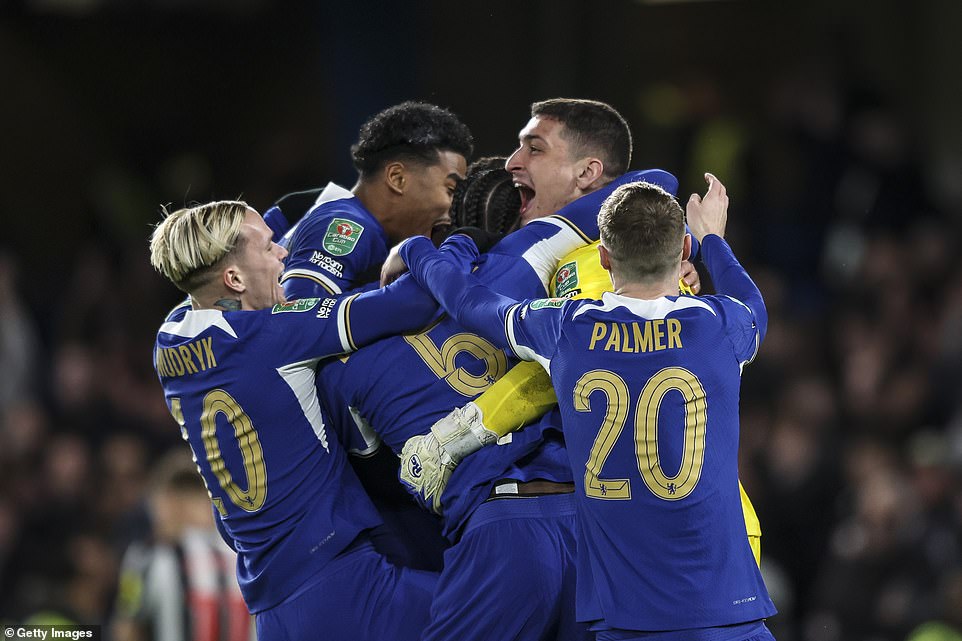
299	305
546	302
566	280
341	236
324	311
327	263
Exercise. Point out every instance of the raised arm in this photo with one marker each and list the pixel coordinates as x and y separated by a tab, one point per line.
707	219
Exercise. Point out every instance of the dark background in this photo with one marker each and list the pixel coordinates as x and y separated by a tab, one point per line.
835	125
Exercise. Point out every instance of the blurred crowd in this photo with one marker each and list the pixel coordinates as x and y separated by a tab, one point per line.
851	419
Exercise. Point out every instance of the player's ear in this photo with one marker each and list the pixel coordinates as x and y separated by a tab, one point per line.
234	279
394	177
686	250
604	257
590	171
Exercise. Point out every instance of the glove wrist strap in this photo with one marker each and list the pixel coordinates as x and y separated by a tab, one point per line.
463	434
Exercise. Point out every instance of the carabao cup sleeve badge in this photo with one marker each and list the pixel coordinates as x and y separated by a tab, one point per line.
341	237
566	280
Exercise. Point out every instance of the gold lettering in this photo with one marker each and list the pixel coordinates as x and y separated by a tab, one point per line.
188	361
626	345
160	364
674	332
180	360
642	340
198	349
171	370
614	339
175	360
208	348
597	334
658	333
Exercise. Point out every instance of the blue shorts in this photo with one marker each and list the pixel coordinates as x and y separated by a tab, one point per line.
359	596
512	574
754	631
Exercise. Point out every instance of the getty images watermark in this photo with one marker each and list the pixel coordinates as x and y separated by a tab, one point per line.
45	632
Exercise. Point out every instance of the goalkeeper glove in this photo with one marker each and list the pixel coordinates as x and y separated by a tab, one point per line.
428	460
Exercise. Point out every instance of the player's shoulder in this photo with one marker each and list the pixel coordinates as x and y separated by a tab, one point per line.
186	325
336	202
337	227
727	305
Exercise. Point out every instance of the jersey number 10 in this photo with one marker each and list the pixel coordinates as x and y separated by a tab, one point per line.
218	402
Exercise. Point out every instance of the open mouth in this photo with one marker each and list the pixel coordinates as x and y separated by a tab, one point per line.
527	195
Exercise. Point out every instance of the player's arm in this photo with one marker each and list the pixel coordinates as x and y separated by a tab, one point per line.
309	329
518	398
476	307
546	240
582	214
402	306
707	218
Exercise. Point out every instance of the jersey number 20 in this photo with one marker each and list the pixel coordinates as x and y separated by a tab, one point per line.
646	432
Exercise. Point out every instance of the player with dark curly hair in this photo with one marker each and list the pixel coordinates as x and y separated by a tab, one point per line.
409	158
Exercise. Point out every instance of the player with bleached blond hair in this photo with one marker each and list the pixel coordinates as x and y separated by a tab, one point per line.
237	365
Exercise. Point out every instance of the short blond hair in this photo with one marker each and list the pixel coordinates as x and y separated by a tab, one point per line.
189	242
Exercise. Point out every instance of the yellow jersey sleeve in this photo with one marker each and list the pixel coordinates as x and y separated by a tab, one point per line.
519	397
525	393
580	275
752	524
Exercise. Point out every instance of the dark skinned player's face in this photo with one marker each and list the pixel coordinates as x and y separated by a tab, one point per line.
430	189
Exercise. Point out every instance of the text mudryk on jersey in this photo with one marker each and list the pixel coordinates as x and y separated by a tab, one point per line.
195	356
647	336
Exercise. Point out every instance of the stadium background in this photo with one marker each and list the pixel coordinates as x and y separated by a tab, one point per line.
835	125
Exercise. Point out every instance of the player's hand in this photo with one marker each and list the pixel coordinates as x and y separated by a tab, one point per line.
393	267
483	239
689	280
428	461
708	214
425	470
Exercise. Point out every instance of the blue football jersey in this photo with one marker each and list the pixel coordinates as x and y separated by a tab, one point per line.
242	387
648	392
399	387
338	246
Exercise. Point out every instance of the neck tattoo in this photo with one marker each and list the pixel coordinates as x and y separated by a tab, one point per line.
228	304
